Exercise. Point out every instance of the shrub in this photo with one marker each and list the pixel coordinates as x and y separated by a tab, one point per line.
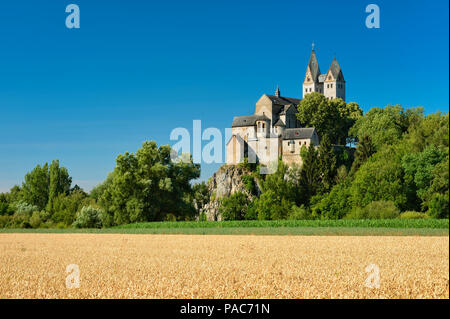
413	215
375	210
170	218
299	213
234	207
333	205
271	207
35	220
5	221
23	208
249	184
439	206
6	209
89	217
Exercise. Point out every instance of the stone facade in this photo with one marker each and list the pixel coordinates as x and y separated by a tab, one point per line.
273	131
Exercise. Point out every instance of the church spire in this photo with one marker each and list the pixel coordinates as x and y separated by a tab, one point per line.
313	65
277	92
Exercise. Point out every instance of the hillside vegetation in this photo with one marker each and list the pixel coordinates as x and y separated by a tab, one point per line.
390	163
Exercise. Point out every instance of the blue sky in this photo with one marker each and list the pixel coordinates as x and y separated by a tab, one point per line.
135	70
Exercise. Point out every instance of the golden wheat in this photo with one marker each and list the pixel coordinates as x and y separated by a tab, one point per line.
195	266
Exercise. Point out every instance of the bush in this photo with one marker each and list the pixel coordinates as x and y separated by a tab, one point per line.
234	207
23	208
89	217
299	213
439	206
170	218
35	220
413	215
333	205
270	206
6	209
375	210
249	184
5	221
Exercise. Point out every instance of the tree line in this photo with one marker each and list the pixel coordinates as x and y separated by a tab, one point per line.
399	167
390	162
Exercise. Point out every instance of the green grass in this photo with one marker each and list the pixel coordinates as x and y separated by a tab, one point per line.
281	231
377	223
390	227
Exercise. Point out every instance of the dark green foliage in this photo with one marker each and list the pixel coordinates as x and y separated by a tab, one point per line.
200	195
386	126
249	183
43	184
333	205
310	179
271	206
234	207
363	152
148	185
439	206
326	166
331	118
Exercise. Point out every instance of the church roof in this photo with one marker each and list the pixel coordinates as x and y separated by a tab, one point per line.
298	133
250	120
335	69
282	100
313	65
279	123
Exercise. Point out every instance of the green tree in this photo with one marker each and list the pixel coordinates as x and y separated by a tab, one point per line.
35	188
386	126
364	151
419	170
333	205
332	118
59	183
148	185
316	111
326	166
269	206
200	195
381	177
310	179
234	207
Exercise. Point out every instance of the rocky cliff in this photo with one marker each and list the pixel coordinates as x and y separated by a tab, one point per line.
226	181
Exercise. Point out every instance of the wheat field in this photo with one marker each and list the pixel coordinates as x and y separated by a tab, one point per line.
196	266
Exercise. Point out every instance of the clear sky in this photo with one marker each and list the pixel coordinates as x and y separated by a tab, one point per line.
135	70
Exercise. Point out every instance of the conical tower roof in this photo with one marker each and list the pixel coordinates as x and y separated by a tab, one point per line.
313	66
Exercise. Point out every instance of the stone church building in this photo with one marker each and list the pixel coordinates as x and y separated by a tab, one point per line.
273	131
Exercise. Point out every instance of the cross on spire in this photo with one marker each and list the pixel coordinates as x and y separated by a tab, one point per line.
313	45
277	92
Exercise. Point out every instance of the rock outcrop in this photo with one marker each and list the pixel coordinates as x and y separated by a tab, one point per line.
228	180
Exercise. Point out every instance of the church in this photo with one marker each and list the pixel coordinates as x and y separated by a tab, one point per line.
274	131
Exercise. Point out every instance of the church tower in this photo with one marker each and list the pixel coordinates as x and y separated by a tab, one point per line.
334	83
311	81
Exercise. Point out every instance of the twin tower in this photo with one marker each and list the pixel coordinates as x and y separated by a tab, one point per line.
330	84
